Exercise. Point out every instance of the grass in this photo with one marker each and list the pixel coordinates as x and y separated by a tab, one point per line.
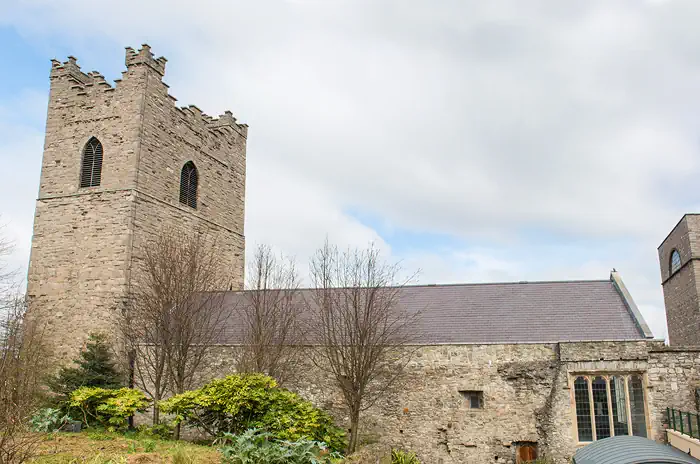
99	447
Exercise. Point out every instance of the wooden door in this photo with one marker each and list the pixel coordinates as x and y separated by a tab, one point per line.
526	453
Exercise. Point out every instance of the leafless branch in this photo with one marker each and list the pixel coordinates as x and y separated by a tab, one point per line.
270	315
22	367
363	332
175	312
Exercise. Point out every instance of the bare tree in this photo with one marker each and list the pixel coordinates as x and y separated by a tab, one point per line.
22	368
362	331
175	313
270	316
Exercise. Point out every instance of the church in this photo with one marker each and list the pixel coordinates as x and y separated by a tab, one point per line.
504	371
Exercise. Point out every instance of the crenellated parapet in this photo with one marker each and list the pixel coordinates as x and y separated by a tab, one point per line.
139	64
144	57
70	70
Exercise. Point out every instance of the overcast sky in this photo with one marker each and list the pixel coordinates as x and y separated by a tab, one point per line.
476	140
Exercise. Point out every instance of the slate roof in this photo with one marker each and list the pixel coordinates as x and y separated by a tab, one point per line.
630	450
518	312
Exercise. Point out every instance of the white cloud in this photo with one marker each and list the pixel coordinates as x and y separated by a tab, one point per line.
483	121
21	147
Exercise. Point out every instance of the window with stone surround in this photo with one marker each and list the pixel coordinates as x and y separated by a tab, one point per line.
91	164
188	185
609	405
675	261
474	398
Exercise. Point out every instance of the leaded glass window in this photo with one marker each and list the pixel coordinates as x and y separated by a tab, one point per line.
600	408
609	405
675	261
583	409
619	405
636	389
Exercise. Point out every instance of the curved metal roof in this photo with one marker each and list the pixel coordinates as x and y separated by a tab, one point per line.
631	450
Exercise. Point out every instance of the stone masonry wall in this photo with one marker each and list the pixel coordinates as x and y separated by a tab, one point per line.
171	137
527	390
79	256
78	266
674	377
681	289
86	240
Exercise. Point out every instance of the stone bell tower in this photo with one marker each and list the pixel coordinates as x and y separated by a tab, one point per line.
679	257
120	164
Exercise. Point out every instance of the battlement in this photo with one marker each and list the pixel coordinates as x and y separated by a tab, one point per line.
214	123
85	84
145	57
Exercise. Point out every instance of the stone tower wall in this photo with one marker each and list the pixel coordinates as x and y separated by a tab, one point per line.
682	288
171	137
87	241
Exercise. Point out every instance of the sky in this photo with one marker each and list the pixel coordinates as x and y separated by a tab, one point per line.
472	141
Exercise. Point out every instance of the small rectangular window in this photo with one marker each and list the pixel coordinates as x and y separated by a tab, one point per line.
474	398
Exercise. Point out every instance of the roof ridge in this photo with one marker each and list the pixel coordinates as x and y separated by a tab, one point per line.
519	282
461	284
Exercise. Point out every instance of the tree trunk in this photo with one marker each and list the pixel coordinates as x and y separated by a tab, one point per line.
156	411
354	430
177	431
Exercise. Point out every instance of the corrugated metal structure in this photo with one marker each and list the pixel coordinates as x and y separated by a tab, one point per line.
631	450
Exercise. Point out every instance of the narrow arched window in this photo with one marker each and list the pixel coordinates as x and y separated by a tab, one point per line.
91	166
675	261
188	185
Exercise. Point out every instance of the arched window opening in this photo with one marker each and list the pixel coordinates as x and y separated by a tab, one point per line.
188	185
675	261
91	167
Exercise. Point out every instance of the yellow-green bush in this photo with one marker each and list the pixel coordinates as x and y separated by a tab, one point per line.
108	408
253	401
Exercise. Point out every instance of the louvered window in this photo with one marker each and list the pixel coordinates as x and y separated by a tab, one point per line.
91	168
188	185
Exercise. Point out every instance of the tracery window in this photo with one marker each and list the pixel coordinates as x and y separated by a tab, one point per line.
91	166
188	185
675	261
608	405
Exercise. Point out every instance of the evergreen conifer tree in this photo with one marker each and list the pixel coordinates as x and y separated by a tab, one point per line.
94	368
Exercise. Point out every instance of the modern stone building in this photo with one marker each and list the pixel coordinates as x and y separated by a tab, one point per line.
122	163
502	372
679	255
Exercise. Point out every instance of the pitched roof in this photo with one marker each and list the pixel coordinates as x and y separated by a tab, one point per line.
518	312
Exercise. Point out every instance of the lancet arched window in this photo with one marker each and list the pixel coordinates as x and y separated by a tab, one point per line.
675	261
91	165
188	185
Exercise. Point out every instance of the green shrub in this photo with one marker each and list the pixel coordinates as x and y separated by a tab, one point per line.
94	368
162	431
48	420
257	447
253	401
108	408
403	457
